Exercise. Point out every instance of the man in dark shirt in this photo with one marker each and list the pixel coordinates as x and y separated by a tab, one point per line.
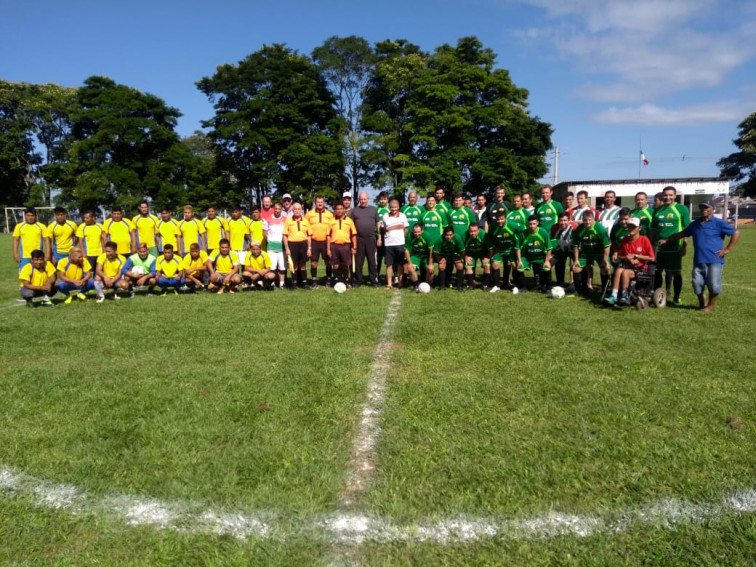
367	222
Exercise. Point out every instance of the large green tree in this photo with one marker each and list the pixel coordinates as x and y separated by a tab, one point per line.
275	127
122	147
347	63
18	157
741	165
470	126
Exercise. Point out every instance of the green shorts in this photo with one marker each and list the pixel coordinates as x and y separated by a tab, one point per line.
535	265
418	263
504	257
671	261
590	259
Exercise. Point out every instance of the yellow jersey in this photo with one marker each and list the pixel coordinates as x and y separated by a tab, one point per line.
113	268
34	276
296	230
260	262
191	233
73	271
320	223
120	233
62	236
237	230
90	238
225	264
169	268
168	231
215	229
190	264
31	237
257	230
342	230
146	229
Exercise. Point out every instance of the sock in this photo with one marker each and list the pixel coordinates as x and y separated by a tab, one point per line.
100	289
442	279
460	279
471	280
314	273
677	282
329	272
615	291
604	280
507	274
519	279
658	279
495	278
546	279
487	278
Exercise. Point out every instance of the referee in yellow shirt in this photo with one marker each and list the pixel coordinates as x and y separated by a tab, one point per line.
297	243
319	220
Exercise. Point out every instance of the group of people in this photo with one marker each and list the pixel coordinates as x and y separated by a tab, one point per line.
491	244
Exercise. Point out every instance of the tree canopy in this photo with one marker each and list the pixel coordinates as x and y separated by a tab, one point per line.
741	165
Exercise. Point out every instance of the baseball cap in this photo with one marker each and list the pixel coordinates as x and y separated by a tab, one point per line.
706	203
346	195
633	221
286	196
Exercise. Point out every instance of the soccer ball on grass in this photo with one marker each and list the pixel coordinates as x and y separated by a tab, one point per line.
340	287
424	287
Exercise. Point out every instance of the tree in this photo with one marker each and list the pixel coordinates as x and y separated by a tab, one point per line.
18	158
469	124
347	63
275	127
742	165
388	158
119	145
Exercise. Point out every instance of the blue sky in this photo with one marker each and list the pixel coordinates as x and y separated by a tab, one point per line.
679	75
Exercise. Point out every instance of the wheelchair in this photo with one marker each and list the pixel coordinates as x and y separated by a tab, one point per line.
641	291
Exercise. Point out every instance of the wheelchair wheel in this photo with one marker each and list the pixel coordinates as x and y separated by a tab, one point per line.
660	298
641	304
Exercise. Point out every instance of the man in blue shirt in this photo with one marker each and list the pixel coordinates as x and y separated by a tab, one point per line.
708	234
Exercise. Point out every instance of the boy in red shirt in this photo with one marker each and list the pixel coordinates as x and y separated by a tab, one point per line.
635	252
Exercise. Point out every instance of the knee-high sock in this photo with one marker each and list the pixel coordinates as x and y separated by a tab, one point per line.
442	279
519	279
677	281
460	279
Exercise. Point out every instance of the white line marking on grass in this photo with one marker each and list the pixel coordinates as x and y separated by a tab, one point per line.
354	529
736	286
11	306
362	463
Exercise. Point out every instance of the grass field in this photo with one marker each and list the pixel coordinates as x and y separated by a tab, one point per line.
514	429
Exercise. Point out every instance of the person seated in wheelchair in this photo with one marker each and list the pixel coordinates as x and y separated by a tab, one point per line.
635	252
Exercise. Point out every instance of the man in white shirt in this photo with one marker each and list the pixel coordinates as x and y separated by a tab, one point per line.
395	227
610	212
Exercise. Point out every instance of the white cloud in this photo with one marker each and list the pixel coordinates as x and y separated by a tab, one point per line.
642	49
693	115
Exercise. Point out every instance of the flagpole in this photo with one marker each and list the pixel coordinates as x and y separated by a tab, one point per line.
640	152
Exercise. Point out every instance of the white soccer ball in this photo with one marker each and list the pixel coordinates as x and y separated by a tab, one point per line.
556	292
340	287
137	270
424	287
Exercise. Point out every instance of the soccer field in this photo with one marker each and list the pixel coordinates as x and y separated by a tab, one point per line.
379	427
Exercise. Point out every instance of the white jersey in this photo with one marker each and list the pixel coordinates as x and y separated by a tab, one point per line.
608	217
394	237
275	233
577	214
564	240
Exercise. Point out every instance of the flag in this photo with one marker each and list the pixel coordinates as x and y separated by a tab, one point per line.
643	158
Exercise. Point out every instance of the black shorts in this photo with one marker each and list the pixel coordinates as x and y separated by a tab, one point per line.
394	255
318	250
298	252
341	254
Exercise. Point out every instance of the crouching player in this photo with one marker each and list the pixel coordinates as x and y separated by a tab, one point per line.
169	270
534	251
223	266
37	280
449	252
634	254
417	254
75	275
109	272
257	270
196	273
139	269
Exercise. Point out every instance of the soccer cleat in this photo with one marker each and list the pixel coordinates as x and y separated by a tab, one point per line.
116	296
494	289
47	303
30	304
515	290
676	302
314	285
45	298
101	299
611	300
624	299
68	300
81	297
175	291
132	295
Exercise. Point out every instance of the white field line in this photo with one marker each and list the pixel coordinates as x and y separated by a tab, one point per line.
354	529
736	286
362	463
12	305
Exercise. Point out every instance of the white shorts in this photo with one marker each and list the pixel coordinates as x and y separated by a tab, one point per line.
277	261
242	254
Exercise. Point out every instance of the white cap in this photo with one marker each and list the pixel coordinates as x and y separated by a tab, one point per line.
286	196
346	195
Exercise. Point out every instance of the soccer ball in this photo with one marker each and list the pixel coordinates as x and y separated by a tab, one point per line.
340	287
424	287
137	270
556	292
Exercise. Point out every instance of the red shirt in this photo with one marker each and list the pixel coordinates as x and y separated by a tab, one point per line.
642	247
265	215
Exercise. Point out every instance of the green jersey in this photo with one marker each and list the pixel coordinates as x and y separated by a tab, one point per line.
477	247
502	239
517	220
381	211
460	220
433	226
534	247
669	220
413	214
547	214
590	241
617	234
418	247
644	215
443	208
449	248
146	264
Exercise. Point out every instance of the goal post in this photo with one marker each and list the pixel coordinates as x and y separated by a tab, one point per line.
15	215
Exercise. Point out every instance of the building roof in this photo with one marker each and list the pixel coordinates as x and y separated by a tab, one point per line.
665	181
